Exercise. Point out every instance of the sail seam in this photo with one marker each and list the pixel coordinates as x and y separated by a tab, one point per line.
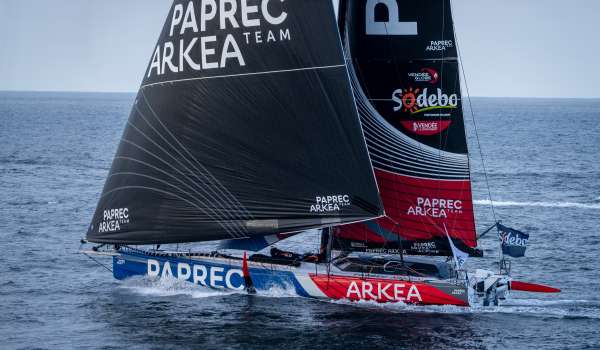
231	230
230	200
121	188
211	193
245	74
214	216
208	194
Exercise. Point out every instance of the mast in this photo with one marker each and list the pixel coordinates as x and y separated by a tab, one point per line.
244	126
404	70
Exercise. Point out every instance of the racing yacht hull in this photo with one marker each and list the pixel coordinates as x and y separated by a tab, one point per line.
310	280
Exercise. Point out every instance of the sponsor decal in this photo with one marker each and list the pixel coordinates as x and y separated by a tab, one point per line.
260	24
113	219
514	242
383	291
423	247
426	128
416	101
416	208
356	244
508	238
435	207
385	251
426	75
328	204
439	45
391	27
425	104
208	276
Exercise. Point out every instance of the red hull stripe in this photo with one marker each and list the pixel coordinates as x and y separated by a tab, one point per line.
383	291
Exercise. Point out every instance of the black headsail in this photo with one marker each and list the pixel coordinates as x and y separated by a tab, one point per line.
244	125
405	73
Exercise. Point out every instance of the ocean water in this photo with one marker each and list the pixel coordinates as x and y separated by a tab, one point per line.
543	159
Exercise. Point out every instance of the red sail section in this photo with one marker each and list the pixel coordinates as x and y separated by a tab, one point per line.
418	211
423	207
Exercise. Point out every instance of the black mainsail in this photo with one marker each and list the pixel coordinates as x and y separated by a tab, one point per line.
244	125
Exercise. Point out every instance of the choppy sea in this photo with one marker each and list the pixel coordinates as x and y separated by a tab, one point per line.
543	162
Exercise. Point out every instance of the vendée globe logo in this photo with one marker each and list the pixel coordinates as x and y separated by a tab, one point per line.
426	75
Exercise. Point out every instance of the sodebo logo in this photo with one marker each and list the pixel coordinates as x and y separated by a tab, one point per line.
213	276
414	101
511	239
393	26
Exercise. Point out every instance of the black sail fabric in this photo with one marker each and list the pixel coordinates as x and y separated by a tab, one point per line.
245	125
405	73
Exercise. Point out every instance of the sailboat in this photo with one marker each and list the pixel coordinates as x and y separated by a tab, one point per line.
259	120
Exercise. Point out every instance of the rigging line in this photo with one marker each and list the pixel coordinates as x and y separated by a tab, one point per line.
98	262
462	68
457	82
379	222
442	56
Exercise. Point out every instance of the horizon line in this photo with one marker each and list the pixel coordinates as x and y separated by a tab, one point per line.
134	92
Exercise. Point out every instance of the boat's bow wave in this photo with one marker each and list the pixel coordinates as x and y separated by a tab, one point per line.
287	290
568	309
539	204
168	287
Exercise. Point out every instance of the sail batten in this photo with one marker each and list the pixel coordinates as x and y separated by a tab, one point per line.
244	126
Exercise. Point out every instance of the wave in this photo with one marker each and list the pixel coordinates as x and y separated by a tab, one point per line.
569	309
167	287
539	204
286	291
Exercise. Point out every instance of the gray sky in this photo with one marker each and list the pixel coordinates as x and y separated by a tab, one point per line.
540	48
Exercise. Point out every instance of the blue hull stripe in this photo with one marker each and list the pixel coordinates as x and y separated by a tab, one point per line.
202	272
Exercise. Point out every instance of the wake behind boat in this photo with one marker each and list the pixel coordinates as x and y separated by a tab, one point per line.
256	122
